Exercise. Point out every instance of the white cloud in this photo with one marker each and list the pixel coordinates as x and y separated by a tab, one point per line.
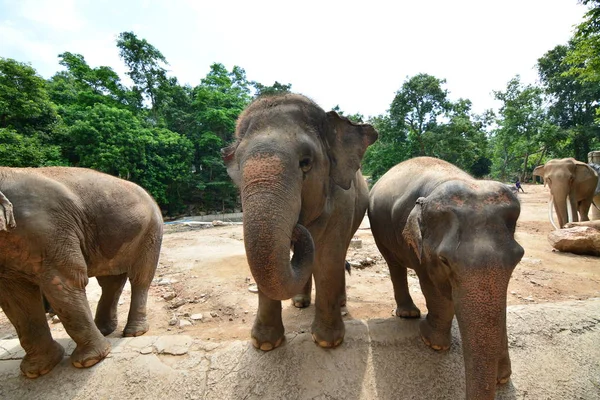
60	15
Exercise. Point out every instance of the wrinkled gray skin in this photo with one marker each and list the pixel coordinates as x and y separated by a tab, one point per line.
572	184
457	233
297	168
71	223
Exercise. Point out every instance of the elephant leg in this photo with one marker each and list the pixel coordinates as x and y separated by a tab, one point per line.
267	332
328	326
65	291
435	328
106	312
22	304
137	321
406	307
584	209
140	276
302	300
504	366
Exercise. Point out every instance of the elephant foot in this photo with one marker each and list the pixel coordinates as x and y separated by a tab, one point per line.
33	366
88	355
106	327
267	338
301	300
327	337
134	329
504	370
408	310
435	339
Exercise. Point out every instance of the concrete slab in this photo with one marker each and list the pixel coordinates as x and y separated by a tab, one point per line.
554	349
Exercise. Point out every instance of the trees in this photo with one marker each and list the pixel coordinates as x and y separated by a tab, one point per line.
422	121
524	130
145	65
573	103
583	58
29	121
416	107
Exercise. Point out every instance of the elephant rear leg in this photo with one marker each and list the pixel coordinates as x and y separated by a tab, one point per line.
405	306
140	277
106	312
64	287
22	304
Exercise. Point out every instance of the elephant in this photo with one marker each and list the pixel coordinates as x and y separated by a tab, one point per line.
61	226
457	234
572	183
298	171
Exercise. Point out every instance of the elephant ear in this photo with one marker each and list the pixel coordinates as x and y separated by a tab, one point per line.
412	230
233	168
347	143
539	171
584	172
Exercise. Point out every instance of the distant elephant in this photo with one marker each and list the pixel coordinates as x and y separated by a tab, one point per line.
68	224
569	179
297	168
457	233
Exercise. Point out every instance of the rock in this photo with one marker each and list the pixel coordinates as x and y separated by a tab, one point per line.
253	288
169	296
197	317
173	321
174	345
356	243
578	240
214	314
218	223
146	350
178	303
184	322
166	281
55	319
186	314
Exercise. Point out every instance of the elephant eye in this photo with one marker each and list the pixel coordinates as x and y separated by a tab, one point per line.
444	260
305	164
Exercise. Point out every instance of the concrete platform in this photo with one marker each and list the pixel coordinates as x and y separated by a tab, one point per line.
555	352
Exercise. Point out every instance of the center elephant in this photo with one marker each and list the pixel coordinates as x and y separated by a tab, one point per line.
297	168
457	233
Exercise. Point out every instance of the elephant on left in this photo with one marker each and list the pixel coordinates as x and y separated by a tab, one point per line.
59	226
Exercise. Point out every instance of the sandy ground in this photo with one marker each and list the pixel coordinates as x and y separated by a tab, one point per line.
207	273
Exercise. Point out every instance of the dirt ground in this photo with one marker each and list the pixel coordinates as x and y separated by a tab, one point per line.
202	286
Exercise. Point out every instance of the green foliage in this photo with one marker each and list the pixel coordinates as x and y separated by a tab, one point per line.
573	104
423	122
18	150
24	102
583	57
276	88
144	63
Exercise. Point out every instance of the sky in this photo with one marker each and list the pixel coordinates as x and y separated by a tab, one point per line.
355	54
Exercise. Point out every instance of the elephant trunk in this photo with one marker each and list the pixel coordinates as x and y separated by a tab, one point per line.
480	305
271	202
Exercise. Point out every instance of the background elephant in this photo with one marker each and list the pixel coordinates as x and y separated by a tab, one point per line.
72	223
457	233
569	179
297	168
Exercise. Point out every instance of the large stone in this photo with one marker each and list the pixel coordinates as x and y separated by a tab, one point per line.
578	239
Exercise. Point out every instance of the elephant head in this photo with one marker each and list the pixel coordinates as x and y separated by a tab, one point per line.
463	235
569	179
288	156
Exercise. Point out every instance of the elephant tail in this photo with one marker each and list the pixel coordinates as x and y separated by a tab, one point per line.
7	218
